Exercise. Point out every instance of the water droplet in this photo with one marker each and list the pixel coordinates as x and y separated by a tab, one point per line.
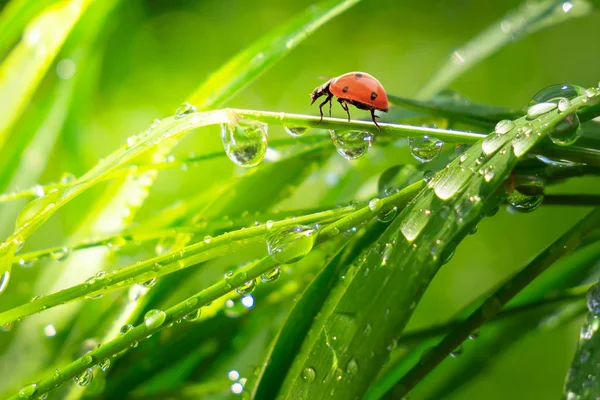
375	204
351	144
237	388
428	176
4	278
271	275
247	287
352	367
85	378
425	149
36	208
563	104
39	191
27	391
387	215
87	359
393	344
524	203
154	318
566	131
245	143
593	299
60	254
289	245
184	109
25	263
207	239
43	396
457	351
504	126
308	374
192	316
536	110
164	245
67	178
125	328
296	130
104	364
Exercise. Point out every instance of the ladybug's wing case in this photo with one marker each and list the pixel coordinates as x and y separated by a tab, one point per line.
360	87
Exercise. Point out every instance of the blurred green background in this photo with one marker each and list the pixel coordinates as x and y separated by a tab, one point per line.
150	55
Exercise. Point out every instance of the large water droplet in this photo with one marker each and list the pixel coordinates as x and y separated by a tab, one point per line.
245	143
593	299
104	364
85	378
351	144
296	130
566	131
387	215
246	287
27	391
289	245
272	275
425	149
308	374
504	126
154	318
524	203
37	207
184	110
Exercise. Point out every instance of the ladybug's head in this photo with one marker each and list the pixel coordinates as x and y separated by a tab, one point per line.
322	90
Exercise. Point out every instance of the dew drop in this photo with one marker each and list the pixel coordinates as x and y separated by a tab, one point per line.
393	344
271	275
87	359
39	191
245	143
387	215
308	374
36	208
154	318
536	110
375	204
247	287
504	126
524	203
351	144
457	351
207	239
425	149
164	245
67	178
104	364
4	278
184	110
593	299
566	131
85	378
27	391
125	328
428	176
192	316
289	245
563	104
352	367
295	131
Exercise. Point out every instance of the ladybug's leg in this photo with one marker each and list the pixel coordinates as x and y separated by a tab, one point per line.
328	99
330	107
373	116
345	107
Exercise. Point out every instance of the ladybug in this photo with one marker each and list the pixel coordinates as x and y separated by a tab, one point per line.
360	89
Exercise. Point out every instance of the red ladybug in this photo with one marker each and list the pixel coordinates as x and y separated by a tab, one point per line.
360	89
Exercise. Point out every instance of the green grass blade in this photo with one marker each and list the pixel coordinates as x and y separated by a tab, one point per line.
528	18
419	240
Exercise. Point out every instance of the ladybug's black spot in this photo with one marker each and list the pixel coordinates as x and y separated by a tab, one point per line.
373	95
345	89
358	75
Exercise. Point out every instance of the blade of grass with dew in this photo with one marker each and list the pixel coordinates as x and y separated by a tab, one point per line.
203	298
383	299
528	18
493	302
27	63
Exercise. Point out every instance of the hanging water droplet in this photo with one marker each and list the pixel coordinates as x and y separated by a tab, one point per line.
289	245
504	126
271	275
247	287
352	367
308	374
593	299
184	109
296	130
149	283
154	318
387	215
351	144
375	204
60	254
245	142
566	131
27	391
104	364
164	245
4	278
425	149
428	176
85	378
524	203
192	316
